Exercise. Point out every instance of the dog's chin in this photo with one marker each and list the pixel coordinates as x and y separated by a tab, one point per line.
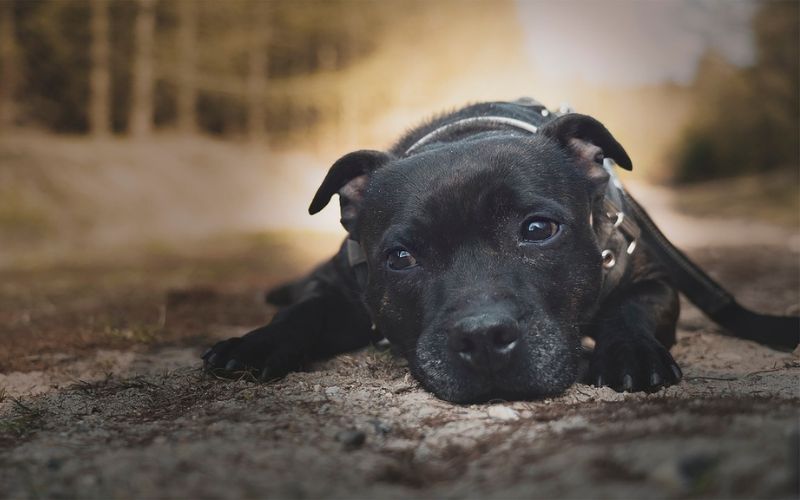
468	393
535	375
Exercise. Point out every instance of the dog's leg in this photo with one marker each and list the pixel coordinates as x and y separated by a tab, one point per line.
325	321
632	334
285	294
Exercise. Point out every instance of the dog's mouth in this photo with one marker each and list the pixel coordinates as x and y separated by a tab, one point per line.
488	388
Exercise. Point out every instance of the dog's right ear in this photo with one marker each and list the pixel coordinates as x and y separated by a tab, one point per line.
574	132
348	178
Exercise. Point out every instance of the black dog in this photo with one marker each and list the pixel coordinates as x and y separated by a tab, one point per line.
484	245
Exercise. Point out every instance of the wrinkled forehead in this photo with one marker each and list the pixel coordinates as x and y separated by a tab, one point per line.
470	178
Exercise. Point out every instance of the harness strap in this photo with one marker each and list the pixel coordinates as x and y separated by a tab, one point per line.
483	121
617	233
357	260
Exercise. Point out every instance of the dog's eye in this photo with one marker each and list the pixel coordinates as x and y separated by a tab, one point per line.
538	229
400	259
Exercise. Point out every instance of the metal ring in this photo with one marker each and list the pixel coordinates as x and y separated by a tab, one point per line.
608	259
620	217
631	247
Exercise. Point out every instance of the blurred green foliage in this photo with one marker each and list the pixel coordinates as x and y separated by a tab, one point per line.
21	221
305	37
747	120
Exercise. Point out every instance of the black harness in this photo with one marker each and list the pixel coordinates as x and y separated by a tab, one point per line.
617	232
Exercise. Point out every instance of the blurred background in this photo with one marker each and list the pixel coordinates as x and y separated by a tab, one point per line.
132	123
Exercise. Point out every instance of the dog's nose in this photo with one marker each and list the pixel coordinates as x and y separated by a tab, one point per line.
484	342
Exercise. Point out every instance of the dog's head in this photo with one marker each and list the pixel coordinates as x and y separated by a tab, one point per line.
483	266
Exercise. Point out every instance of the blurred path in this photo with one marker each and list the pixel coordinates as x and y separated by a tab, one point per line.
688	231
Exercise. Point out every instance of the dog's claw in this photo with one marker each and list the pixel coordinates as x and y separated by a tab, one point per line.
655	379
264	373
599	381
212	358
207	353
627	383
232	365
633	364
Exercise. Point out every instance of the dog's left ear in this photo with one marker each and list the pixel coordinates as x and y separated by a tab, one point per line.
586	139
348	178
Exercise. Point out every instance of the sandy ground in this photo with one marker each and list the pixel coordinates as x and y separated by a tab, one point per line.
102	398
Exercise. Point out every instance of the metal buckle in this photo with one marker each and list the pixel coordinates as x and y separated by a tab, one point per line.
608	259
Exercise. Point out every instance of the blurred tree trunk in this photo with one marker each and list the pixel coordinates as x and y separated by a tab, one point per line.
349	116
258	67
8	52
142	102
187	56
100	80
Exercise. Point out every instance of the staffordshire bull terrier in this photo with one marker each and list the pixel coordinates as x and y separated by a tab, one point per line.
484	246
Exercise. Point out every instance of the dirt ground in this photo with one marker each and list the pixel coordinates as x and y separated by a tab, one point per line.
101	396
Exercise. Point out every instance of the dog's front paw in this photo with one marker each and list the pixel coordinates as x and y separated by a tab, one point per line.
259	353
633	364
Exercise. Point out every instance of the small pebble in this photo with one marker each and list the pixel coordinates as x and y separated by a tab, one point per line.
694	468
54	463
685	474
351	438
380	427
501	412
